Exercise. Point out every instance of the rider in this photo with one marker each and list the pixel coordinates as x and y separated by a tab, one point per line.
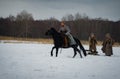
66	31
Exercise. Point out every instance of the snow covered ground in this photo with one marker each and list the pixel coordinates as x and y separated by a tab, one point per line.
33	61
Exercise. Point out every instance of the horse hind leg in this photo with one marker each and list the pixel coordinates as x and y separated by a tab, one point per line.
79	52
75	53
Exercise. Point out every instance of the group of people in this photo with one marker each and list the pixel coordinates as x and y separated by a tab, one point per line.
69	40
106	45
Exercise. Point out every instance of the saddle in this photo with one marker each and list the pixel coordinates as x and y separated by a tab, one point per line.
65	40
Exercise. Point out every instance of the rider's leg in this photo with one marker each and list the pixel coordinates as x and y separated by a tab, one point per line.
66	42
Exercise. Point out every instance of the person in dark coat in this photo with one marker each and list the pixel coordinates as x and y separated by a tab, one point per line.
107	45
92	44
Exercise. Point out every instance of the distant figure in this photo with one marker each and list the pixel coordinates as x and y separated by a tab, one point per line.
107	45
92	44
65	31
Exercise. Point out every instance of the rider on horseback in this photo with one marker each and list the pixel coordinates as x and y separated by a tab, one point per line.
65	31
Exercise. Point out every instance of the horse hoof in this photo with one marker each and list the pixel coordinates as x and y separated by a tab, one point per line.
73	57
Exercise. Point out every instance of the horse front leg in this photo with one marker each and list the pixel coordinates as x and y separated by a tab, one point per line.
52	51
56	52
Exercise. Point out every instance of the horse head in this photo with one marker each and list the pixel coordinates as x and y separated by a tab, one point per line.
51	31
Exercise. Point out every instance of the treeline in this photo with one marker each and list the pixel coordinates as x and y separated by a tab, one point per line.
24	25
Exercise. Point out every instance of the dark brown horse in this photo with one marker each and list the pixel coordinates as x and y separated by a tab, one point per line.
58	43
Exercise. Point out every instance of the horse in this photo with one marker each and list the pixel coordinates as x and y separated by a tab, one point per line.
58	43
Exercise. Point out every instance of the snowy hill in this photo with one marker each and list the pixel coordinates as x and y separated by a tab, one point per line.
33	61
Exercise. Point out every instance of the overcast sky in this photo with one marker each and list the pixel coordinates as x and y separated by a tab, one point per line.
43	9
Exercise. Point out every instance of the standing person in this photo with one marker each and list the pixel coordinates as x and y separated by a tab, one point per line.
92	44
65	30
107	45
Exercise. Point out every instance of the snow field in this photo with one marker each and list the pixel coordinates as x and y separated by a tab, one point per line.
33	61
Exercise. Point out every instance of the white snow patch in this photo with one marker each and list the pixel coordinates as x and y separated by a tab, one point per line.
33	61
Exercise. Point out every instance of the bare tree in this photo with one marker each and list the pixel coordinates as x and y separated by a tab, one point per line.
70	17
24	15
78	16
25	18
11	18
85	16
64	18
53	19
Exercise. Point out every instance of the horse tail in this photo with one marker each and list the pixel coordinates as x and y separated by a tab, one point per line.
81	46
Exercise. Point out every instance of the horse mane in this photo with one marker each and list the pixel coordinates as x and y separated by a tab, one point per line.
54	30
